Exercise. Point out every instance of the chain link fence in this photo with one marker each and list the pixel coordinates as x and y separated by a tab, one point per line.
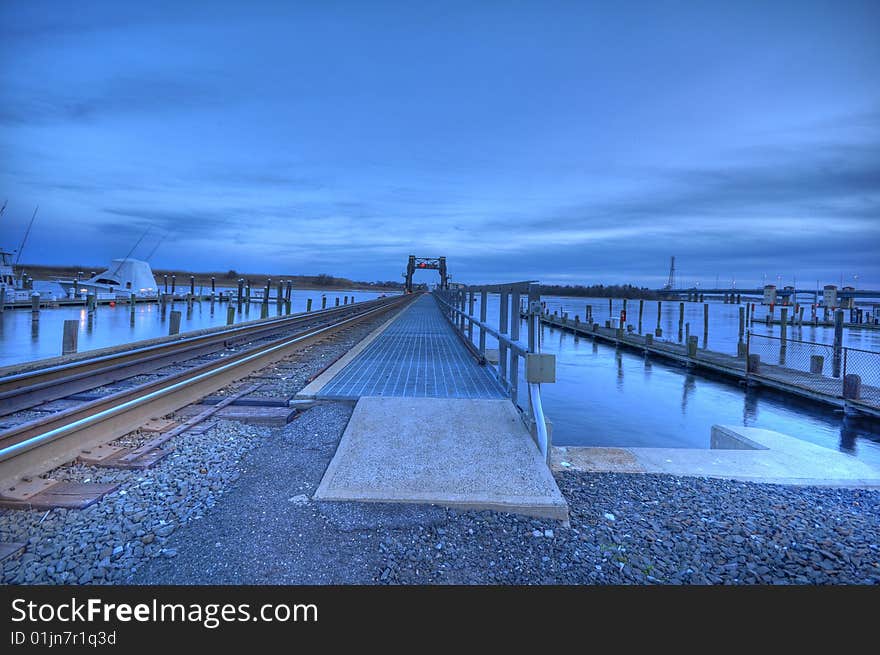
841	372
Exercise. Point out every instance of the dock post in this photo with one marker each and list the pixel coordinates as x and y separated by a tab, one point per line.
837	348
239	298
852	386
91	302
337	301
610	310
173	284
692	346
800	316
213	287
742	323
687	332
753	363
174	323
131	305
783	325
165	279
649	340
323	301
280	298
35	307
247	292
230	314
659	331
344	300
483	297
641	312
192	285
308	304
2	299
589	315
70	337
680	318
706	325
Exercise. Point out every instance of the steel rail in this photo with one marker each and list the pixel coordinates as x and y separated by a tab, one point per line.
32	448
30	388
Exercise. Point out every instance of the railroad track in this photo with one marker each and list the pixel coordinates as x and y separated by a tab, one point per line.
35	447
31	388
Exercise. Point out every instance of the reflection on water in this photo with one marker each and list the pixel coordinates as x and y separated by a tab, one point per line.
620	398
605	396
22	339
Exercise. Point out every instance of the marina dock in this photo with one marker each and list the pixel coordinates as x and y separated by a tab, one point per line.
813	386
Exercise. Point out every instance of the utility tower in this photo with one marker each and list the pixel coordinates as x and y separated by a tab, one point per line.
670	283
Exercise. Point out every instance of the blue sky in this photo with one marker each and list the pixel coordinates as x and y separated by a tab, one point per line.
562	141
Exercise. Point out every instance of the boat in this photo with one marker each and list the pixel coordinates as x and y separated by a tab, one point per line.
12	286
122	278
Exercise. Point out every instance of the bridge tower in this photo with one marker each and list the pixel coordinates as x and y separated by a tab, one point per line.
426	263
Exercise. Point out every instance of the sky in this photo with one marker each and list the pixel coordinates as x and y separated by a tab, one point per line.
566	142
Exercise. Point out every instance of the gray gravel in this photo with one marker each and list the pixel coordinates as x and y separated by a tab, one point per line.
624	529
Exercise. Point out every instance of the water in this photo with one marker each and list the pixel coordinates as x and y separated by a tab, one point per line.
21	340
615	398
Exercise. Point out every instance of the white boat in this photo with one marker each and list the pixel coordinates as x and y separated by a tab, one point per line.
122	278
13	290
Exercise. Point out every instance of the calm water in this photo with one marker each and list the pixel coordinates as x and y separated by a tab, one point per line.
21	340
606	397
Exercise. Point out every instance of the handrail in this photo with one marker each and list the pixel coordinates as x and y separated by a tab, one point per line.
458	308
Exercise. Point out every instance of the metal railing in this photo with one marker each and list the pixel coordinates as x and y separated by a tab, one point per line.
458	304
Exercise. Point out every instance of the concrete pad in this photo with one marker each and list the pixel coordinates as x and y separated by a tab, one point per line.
762	456
464	453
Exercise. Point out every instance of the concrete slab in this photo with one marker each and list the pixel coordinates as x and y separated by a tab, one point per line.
464	453
739	453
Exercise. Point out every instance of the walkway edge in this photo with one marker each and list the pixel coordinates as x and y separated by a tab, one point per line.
311	390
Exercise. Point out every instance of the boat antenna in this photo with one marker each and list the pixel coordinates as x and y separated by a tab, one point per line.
156	247
137	243
26	233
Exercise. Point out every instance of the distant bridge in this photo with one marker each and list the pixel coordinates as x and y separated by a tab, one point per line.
785	292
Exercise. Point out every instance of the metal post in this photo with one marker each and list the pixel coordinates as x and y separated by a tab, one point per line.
504	315
514	336
471	314
483	298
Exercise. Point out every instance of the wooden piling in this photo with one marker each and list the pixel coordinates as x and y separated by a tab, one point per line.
659	331
174	323
230	314
70	337
837	348
706	325
192	285
337	301
610	308
173	284
783	325
308	304
641	312
742	323
323	302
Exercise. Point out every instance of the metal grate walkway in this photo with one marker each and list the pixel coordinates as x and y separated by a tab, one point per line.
418	355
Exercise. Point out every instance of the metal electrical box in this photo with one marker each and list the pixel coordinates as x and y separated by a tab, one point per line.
540	367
